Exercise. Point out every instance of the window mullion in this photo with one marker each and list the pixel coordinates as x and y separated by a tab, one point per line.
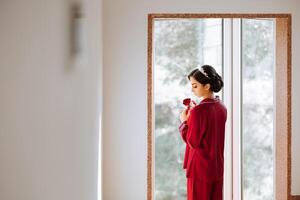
227	76
236	109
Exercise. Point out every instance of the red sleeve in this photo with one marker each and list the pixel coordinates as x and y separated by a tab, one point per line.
197	127
183	128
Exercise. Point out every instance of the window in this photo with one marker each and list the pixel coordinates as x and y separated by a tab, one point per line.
179	45
258	49
256	93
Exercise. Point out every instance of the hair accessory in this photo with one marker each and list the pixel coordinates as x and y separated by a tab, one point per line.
202	71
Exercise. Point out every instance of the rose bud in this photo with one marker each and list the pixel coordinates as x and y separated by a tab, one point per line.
187	101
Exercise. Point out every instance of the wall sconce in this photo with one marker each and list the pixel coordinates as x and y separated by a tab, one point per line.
78	41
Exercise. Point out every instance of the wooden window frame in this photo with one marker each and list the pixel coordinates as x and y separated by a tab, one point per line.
282	97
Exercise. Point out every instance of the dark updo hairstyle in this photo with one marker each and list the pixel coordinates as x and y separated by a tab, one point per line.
213	78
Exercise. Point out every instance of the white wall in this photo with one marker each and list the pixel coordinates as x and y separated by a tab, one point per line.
125	85
49	109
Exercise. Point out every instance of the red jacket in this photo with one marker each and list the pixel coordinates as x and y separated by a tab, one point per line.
204	135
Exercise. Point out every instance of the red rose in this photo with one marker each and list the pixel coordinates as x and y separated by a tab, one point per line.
187	101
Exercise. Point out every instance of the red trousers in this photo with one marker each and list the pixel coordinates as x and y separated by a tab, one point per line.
201	190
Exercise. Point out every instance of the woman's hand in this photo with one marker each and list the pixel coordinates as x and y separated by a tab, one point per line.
186	112
184	115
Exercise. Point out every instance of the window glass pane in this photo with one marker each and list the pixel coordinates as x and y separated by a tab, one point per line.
179	46
257	109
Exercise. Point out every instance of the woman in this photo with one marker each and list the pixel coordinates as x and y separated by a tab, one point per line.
202	128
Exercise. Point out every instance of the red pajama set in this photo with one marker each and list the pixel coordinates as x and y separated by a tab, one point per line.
204	135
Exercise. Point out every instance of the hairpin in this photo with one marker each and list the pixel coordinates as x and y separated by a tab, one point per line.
202	71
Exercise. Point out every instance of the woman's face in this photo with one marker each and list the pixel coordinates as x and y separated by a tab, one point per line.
199	89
